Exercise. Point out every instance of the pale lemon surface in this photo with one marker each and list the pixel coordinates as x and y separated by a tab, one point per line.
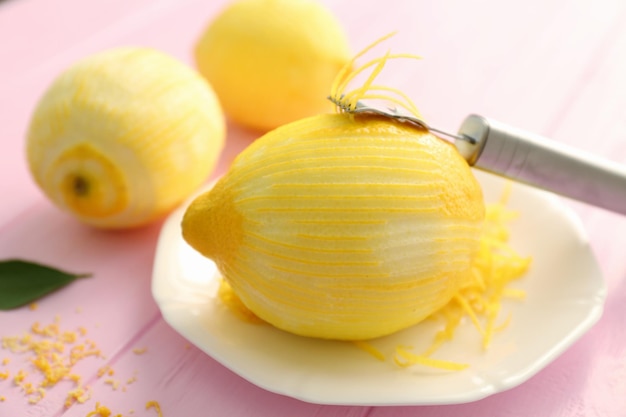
272	61
342	227
123	136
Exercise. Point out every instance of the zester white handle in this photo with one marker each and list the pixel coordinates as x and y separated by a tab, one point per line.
543	163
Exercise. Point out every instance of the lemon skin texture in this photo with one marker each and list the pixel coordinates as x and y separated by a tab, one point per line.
342	227
123	136
272	61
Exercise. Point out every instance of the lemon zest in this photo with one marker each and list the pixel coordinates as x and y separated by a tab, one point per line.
369	348
105	370
350	99
347	101
463	302
114	383
405	358
52	352
156	406
500	327
101	411
79	395
132	379
344	75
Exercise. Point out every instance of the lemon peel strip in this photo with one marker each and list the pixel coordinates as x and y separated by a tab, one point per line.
352	97
347	101
367	86
463	302
369	348
341	86
338	83
405	358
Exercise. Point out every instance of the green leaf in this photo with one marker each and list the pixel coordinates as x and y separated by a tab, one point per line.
22	282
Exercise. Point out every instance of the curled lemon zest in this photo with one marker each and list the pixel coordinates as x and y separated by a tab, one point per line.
156	406
405	358
339	83
346	101
469	310
369	348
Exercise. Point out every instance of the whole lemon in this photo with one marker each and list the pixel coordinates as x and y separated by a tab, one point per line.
272	61
342	227
123	136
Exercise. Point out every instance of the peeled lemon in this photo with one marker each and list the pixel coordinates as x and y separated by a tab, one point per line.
272	61
123	136
342	227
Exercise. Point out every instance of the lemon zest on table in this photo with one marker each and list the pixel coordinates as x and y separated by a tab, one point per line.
156	406
101	411
52	353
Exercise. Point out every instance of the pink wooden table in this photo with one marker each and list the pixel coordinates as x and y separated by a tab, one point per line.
556	67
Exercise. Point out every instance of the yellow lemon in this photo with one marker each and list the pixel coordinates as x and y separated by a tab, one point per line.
342	227
272	61
123	136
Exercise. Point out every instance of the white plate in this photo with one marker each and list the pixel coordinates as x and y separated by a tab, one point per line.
565	296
